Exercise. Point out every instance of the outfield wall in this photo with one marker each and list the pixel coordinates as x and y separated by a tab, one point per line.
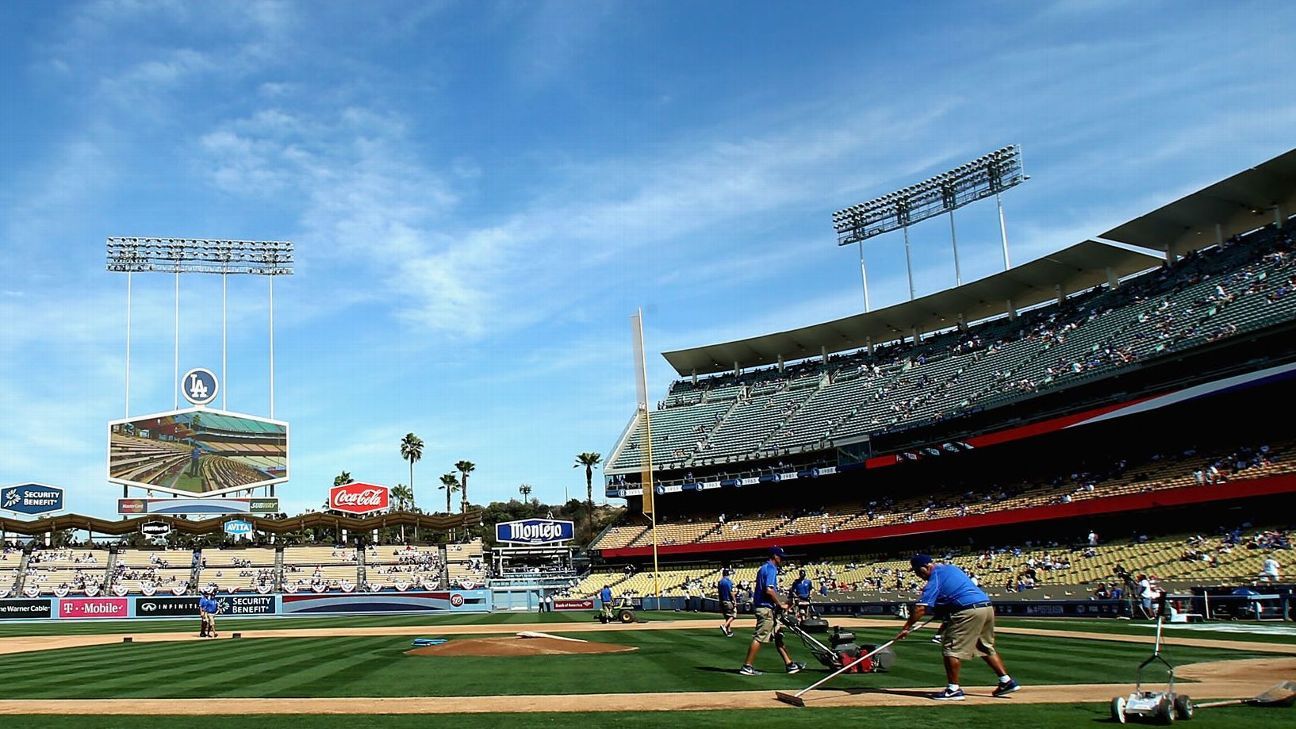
170	606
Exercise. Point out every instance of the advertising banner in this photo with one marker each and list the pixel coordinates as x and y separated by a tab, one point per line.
534	531
187	606
155	528
359	498
237	527
77	608
31	498
26	609
197	506
472	601
573	604
197	452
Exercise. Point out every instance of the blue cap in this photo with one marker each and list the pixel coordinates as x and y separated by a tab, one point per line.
776	551
918	560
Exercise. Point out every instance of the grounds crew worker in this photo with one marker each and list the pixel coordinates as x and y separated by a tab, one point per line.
800	594
207	608
728	606
767	604
605	596
969	623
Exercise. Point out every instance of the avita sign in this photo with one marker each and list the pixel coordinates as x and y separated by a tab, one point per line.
534	531
359	498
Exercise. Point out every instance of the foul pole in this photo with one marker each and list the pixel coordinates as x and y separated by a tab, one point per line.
641	389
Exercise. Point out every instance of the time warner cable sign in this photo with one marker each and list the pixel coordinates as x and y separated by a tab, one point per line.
535	531
31	498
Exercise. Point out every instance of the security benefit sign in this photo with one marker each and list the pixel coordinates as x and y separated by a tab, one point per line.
31	498
187	606
535	531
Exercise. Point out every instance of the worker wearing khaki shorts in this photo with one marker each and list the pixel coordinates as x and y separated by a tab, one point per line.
968	631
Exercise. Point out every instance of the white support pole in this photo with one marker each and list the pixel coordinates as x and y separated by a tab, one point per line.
128	340
958	273
224	383
864	277
272	413
175	382
908	263
1003	231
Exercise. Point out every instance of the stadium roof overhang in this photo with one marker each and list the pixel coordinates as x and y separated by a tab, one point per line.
437	522
1079	267
1248	200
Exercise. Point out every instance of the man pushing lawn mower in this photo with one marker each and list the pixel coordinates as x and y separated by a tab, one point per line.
767	604
969	624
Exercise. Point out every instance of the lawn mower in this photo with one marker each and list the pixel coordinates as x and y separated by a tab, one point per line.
622	612
1162	707
842	650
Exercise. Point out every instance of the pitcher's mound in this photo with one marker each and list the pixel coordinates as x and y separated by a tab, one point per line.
513	646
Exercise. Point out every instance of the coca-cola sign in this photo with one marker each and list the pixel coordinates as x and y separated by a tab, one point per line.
359	498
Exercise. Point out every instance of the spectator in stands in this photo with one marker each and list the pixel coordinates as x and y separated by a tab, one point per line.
1093	538
1269	572
766	600
969	628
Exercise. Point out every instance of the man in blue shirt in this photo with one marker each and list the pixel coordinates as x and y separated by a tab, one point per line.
800	594
969	623
605	596
728	606
767	603
207	607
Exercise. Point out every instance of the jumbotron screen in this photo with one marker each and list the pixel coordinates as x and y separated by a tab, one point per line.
197	452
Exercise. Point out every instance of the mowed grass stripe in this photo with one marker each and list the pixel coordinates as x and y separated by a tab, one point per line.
1032	716
377	666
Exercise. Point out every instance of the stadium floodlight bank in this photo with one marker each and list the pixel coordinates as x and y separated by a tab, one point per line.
983	177
193	255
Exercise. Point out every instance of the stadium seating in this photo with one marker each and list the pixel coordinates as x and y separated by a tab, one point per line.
1174	558
1216	293
1169	473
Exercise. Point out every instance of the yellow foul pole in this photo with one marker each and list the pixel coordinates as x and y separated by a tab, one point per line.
646	478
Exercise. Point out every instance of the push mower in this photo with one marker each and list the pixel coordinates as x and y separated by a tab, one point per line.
842	650
1162	707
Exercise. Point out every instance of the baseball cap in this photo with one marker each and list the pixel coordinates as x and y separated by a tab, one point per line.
918	560
726	571
776	551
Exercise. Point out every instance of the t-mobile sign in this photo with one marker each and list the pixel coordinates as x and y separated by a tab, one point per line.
75	608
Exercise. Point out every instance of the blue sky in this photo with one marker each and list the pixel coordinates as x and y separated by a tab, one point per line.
482	193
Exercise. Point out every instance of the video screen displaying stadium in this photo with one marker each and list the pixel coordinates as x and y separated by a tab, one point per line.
197	452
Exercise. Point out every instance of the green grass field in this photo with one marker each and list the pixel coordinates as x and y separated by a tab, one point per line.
667	660
935	717
226	623
695	659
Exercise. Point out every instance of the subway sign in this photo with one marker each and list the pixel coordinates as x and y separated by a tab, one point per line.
535	531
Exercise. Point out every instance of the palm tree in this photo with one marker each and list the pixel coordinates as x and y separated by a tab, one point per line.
404	500
411	449
343	479
404	497
589	461
525	489
464	468
450	483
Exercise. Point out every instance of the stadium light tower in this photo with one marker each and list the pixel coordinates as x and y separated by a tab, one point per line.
192	255
990	174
